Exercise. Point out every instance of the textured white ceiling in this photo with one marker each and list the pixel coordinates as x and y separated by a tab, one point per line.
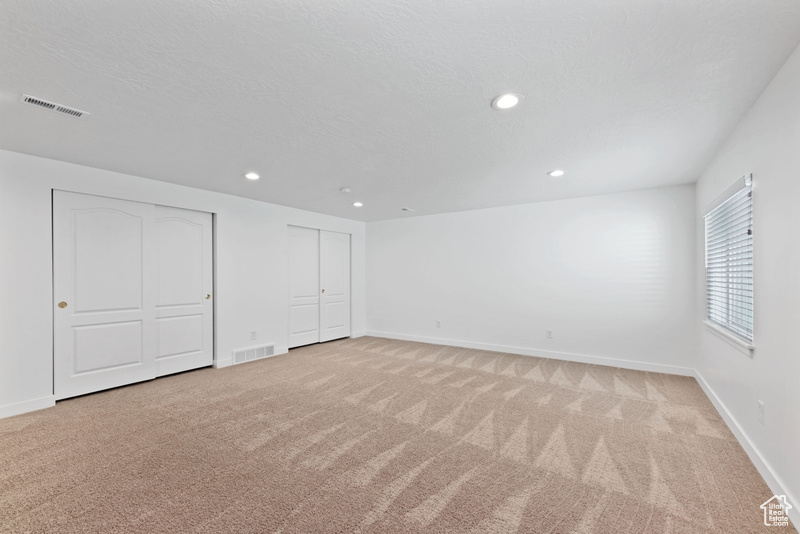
391	99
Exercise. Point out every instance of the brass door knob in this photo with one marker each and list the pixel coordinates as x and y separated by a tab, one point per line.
323	291
208	296
62	304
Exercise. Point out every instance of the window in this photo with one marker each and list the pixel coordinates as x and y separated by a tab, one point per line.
729	263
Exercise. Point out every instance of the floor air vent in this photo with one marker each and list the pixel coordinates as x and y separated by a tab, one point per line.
52	106
252	353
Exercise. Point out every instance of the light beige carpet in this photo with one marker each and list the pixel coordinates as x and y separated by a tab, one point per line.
374	435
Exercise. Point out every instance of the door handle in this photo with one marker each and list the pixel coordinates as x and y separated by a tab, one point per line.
323	291
208	296
62	304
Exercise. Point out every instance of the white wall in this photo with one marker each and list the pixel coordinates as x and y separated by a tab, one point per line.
766	143
251	291
612	276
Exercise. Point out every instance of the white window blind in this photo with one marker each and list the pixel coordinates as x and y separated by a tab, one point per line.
729	263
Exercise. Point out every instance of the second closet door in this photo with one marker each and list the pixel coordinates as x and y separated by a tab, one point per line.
334	277
303	286
319	286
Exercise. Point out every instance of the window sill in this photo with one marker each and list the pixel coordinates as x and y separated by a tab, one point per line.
732	339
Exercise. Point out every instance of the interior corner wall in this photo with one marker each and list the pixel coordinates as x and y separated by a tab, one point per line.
251	266
612	277
767	144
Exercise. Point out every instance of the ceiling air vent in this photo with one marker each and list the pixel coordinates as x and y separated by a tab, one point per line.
52	106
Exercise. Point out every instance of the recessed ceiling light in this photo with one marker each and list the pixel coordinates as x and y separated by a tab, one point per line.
357	204
252	176
556	173
506	101
345	190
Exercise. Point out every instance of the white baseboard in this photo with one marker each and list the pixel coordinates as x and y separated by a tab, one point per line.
219	364
773	480
18	408
360	333
524	351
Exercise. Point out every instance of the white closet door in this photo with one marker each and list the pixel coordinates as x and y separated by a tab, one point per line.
335	285
104	295
184	311
303	286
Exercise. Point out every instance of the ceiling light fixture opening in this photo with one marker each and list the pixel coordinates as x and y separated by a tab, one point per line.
556	173
345	190
506	101
357	204
252	176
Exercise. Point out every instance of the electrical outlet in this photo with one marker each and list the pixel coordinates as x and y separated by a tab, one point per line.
548	334
438	323
761	412
253	335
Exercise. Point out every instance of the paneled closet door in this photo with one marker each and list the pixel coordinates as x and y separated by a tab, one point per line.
334	268
303	286
104	293
184	309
